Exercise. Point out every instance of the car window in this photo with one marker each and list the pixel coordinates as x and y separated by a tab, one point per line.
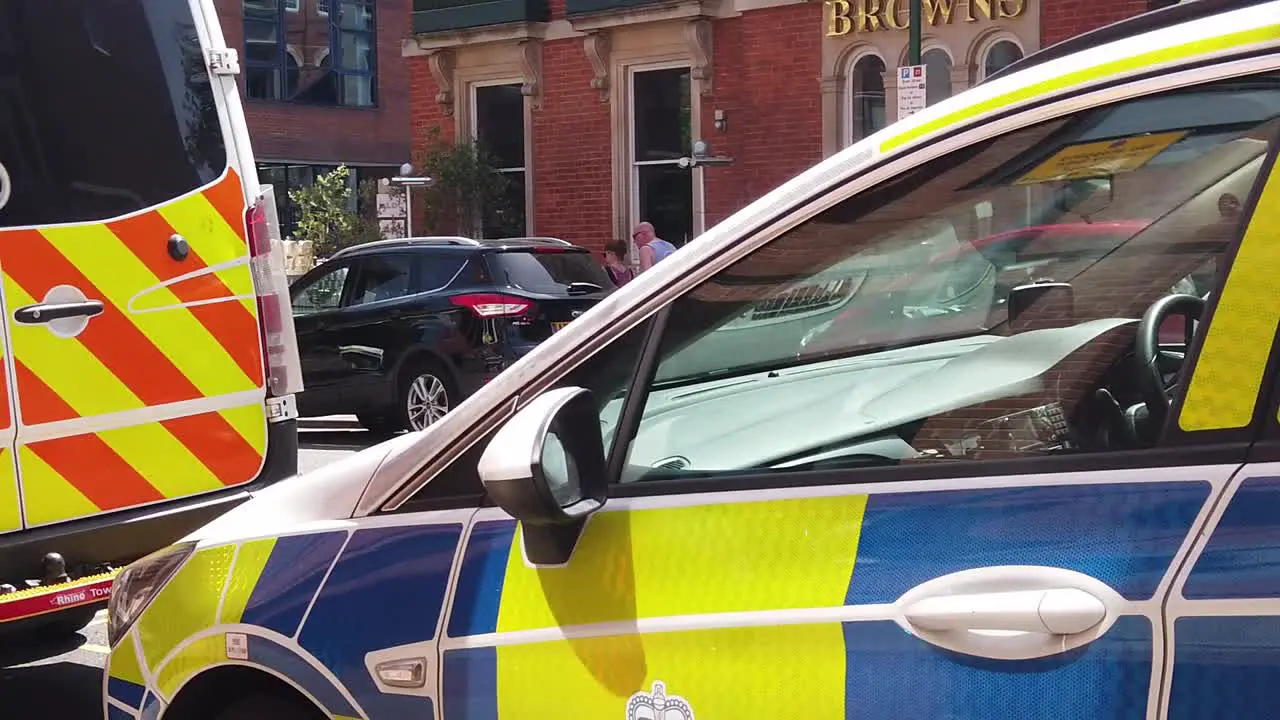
983	306
606	373
547	270
381	277
321	292
436	270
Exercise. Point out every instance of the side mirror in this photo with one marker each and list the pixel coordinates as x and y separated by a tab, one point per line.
546	467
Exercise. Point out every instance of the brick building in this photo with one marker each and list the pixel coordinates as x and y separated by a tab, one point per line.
594	100
322	88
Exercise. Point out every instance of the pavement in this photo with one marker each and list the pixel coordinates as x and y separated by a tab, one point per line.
63	680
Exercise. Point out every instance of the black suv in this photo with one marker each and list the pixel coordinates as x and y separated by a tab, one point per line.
397	332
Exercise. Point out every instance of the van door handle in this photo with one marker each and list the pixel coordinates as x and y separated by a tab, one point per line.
1054	611
42	313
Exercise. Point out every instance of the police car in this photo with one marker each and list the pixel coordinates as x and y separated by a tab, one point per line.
1025	498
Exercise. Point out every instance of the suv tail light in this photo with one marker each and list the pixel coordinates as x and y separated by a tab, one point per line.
275	310
493	305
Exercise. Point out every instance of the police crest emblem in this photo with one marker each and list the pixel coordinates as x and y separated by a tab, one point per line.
658	705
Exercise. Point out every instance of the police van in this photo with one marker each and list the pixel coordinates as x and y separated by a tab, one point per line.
1047	486
149	360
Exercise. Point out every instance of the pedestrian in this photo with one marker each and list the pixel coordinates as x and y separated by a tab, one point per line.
615	262
652	248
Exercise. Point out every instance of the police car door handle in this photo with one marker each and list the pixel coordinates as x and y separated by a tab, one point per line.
1056	611
42	313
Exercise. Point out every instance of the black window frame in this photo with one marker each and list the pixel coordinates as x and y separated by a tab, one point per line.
645	167
486	221
337	69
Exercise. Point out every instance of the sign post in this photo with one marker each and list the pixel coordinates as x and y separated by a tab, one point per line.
912	94
913	32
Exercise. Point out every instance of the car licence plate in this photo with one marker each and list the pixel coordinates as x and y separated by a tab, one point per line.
558	326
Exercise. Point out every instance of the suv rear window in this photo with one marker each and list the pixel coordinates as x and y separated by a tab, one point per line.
547	271
106	107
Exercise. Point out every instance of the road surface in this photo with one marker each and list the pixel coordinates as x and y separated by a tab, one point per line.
64	681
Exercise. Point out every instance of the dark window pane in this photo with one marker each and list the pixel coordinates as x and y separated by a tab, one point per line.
937	76
662	114
666	200
436	269
357	15
549	270
107	108
308	36
381	278
262	83
261	9
868	96
357	90
260	42
507	219
500	124
1000	56
357	51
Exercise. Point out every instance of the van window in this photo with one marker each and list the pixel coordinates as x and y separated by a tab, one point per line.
106	108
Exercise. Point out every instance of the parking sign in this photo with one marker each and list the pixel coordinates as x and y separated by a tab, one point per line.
911	90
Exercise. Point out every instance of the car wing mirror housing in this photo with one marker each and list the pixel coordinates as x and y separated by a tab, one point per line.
546	468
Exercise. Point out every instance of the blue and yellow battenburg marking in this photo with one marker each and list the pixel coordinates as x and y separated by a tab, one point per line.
778	555
382	587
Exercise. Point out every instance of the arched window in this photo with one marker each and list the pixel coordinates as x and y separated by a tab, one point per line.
1000	56
937	64
866	97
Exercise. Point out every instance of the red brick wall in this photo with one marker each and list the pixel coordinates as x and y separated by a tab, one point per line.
572	151
334	134
767	69
1063	19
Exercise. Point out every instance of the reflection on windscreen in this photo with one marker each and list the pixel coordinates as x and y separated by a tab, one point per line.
548	272
940	259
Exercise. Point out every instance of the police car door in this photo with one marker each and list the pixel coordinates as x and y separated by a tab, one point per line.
930	452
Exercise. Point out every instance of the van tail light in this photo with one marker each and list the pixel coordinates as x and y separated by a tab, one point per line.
275	310
493	305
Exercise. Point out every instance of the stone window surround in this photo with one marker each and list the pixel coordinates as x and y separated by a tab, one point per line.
967	44
616	44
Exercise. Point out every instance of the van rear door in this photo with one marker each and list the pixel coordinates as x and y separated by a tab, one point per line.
133	355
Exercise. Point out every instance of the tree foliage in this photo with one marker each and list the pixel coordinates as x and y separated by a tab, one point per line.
324	215
465	193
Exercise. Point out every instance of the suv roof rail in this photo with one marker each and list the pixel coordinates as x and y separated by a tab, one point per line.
432	240
535	239
1182	12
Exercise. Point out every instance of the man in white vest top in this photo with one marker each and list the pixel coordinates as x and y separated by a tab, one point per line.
652	248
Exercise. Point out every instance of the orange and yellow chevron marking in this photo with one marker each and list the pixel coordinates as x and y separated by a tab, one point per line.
10	515
162	356
128	360
81	475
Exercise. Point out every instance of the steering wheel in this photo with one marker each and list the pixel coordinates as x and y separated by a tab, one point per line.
1153	363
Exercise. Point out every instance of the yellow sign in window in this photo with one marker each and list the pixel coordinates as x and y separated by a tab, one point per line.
1099	159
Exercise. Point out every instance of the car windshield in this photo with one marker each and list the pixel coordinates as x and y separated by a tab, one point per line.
1085	201
548	270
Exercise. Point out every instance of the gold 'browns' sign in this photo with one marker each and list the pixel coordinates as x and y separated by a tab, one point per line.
845	16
